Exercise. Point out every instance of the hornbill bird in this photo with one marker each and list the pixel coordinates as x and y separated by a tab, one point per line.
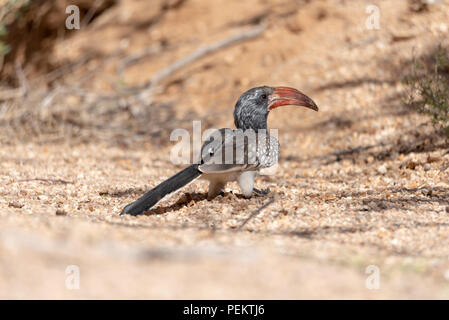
233	154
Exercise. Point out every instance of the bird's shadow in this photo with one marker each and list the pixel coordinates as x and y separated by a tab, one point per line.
186	199
190	199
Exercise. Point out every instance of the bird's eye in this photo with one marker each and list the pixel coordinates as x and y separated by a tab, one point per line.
264	96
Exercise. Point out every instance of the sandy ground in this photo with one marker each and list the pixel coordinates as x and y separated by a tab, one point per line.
362	183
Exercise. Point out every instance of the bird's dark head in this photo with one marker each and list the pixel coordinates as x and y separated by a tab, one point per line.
252	108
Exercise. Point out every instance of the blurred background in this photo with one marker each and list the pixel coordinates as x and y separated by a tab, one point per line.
85	120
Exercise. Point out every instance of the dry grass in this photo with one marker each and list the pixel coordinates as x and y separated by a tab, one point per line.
428	88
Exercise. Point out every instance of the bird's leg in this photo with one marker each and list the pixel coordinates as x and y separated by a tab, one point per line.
215	188
246	183
262	192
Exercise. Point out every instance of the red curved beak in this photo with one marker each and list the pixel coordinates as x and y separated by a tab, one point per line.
283	96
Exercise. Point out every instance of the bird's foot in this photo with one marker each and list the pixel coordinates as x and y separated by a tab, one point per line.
263	192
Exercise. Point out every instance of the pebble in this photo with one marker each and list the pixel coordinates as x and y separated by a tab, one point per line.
60	212
14	204
382	169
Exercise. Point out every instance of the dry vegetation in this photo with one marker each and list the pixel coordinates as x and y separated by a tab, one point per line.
85	120
428	87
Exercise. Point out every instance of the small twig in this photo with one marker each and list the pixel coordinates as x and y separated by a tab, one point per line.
90	14
22	79
45	180
58	73
148	88
258	18
16	93
9	94
255	213
147	52
134	58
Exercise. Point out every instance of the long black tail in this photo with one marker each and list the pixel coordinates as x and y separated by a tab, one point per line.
170	185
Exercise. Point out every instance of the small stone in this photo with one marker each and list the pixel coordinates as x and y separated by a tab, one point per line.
447	209
427	167
60	212
294	26
382	169
411	165
91	208
382	206
431	159
14	204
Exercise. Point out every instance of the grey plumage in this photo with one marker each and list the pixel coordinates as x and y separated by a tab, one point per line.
247	113
233	154
236	152
248	153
